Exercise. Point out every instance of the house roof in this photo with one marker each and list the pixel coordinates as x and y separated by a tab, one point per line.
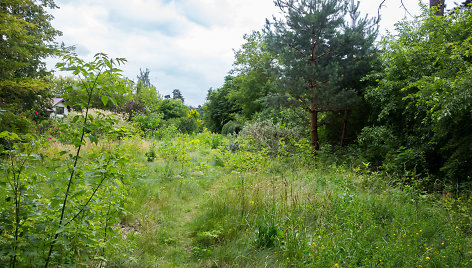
56	101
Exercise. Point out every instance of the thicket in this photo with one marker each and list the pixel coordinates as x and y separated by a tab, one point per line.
412	90
62	192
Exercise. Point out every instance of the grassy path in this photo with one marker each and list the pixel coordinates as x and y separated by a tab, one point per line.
257	211
164	206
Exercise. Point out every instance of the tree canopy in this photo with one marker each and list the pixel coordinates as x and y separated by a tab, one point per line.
423	95
26	39
318	49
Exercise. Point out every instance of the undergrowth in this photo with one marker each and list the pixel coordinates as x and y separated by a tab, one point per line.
203	205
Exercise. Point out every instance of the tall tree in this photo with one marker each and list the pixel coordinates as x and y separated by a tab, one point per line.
423	95
219	108
144	77
253	78
439	5
315	45
177	95
26	39
146	93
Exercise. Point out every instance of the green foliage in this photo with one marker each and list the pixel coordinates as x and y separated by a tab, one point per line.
27	39
172	109
151	154
376	143
253	79
266	134
177	95
58	207
148	96
219	108
232	127
423	92
148	123
16	122
321	56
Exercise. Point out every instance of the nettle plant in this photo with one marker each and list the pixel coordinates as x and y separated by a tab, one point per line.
60	210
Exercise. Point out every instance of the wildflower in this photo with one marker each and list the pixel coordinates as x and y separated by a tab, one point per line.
417	233
36	112
336	265
314	244
442	244
428	258
420	265
421	231
457	227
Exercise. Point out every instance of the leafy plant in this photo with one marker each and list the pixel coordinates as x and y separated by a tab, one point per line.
151	154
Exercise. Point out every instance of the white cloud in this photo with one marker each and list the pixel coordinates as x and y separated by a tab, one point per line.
186	44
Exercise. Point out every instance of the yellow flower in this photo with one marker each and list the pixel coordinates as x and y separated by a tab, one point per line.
336	265
420	265
421	231
314	244
428	258
442	244
417	233
457	227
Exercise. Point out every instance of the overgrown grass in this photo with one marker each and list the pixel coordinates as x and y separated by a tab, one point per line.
202	205
206	201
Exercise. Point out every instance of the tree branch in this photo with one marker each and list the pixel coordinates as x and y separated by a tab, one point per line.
299	51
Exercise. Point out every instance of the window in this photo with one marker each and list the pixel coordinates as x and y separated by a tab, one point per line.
59	110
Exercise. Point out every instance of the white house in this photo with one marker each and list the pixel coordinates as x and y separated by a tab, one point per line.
59	108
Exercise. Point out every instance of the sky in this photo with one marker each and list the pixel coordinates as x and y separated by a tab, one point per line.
185	44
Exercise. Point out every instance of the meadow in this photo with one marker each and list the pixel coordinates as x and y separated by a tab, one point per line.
209	200
202	204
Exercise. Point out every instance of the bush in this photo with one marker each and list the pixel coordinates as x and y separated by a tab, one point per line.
376	143
232	127
15	122
148	122
186	125
266	134
165	132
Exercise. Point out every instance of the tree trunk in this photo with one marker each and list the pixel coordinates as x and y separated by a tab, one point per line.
439	4
315	142
343	136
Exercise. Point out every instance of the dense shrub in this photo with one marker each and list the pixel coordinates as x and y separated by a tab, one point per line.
148	122
266	134
232	127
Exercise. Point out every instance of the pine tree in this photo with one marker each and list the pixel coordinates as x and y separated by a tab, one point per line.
319	51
